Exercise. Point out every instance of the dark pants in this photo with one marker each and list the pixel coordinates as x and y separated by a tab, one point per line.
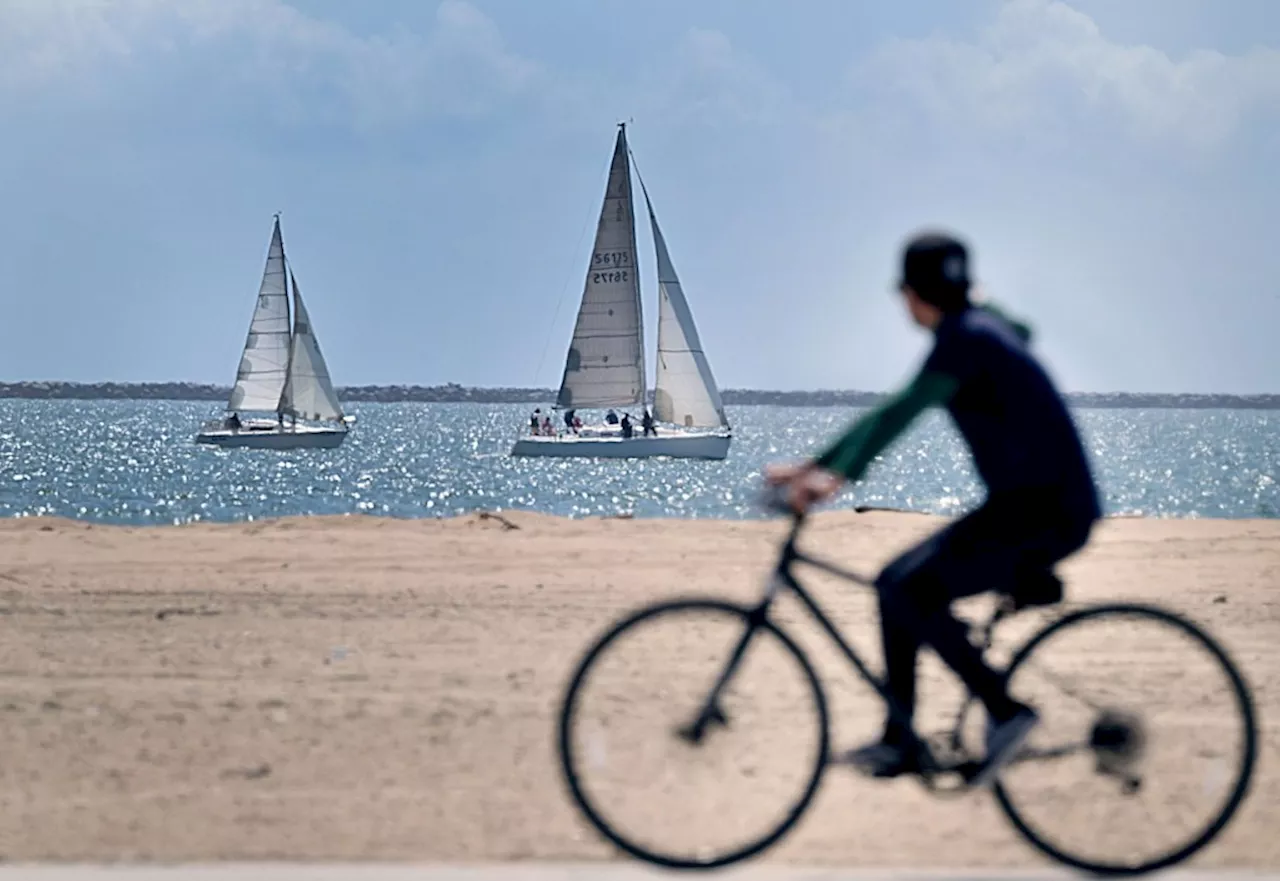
1008	542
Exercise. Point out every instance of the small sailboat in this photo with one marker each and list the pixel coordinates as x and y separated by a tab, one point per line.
605	367
283	398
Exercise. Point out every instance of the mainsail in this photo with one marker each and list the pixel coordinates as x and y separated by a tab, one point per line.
264	362
605	365
685	392
308	393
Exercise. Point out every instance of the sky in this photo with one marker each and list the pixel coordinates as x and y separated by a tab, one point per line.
1113	164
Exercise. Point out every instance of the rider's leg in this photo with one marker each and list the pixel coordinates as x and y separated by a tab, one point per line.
902	634
949	638
915	608
982	551
901	646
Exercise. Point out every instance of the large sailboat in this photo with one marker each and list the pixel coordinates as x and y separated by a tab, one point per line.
283	398
605	367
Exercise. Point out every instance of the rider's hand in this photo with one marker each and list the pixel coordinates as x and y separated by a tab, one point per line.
805	484
780	473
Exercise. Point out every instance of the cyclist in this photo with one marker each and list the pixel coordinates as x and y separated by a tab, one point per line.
1041	500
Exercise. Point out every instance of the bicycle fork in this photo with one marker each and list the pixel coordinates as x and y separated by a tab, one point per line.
712	714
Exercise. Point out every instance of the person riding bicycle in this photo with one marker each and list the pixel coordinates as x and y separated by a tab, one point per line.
1041	500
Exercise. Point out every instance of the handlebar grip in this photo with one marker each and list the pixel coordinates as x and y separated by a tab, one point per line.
774	500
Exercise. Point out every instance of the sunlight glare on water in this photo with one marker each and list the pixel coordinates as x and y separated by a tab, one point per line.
136	462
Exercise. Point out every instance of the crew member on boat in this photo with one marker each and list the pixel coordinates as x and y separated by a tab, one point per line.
627	430
233	422
647	422
611	417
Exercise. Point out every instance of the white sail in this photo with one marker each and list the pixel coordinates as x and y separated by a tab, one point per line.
685	392
605	365
265	360
308	393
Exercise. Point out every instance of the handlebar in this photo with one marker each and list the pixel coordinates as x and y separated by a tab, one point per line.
774	500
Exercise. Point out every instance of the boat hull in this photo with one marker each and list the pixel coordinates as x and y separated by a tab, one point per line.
675	446
289	439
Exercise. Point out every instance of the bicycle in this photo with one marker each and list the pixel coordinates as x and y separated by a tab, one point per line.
1115	742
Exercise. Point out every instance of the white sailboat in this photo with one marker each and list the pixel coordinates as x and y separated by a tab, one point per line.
605	367
283	378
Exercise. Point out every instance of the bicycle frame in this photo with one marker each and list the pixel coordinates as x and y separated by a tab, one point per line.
782	578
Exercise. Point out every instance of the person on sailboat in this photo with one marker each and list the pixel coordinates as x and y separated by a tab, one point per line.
568	419
646	421
611	417
535	423
547	428
233	422
1041	500
627	430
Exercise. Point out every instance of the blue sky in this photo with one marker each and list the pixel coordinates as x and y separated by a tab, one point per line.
439	166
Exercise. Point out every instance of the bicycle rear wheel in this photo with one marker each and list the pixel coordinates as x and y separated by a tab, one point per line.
672	799
1145	721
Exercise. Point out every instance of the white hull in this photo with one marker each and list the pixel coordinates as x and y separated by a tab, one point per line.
676	446
300	438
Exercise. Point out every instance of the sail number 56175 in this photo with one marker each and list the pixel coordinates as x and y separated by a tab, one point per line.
608	263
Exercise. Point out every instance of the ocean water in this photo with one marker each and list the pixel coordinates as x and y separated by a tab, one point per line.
136	462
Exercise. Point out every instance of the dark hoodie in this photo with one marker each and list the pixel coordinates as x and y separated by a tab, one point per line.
1017	426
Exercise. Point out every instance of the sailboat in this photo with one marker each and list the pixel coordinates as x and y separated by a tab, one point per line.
605	366
283	377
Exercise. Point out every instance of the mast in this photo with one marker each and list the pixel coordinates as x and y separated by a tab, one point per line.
288	318
631	209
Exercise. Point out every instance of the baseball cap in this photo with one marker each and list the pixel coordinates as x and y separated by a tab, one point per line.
936	266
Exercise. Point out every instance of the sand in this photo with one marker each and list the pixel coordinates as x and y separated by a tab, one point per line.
368	688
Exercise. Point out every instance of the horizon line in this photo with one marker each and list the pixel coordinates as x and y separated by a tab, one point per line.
535	390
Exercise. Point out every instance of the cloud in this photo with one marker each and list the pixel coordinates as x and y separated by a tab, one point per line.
200	56
1045	65
462	67
708	80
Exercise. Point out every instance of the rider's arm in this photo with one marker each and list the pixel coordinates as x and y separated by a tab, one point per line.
850	455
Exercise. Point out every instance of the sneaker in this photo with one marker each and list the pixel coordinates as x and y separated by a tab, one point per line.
882	760
1003	740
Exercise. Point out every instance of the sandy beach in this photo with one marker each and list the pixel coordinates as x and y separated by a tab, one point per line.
361	688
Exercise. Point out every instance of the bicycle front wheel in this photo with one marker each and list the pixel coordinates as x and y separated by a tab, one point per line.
1146	745
652	786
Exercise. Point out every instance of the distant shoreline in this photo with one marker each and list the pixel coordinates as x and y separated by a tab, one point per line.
452	393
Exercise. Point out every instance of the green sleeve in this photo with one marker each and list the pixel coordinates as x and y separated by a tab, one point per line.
882	425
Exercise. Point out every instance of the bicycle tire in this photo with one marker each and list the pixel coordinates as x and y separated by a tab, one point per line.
569	757
1243	700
